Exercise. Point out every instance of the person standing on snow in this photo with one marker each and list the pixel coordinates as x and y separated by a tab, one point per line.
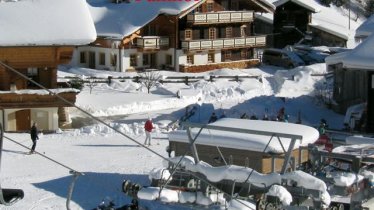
34	136
148	127
213	118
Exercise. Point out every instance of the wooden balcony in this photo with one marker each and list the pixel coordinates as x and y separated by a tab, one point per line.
36	98
152	42
226	43
220	17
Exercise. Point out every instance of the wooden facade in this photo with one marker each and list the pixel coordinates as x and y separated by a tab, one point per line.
38	63
351	87
261	162
220	25
290	23
207	33
324	38
234	65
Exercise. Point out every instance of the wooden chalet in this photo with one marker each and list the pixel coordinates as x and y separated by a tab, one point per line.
198	36
293	23
36	55
354	80
291	20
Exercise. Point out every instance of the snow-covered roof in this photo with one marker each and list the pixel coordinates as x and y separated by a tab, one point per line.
45	22
361	57
123	19
307	4
329	30
366	28
265	2
265	17
250	141
334	20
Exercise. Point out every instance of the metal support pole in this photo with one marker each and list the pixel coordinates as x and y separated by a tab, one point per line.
192	143
71	188
288	155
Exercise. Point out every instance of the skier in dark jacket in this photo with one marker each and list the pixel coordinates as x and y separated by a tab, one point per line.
34	136
213	118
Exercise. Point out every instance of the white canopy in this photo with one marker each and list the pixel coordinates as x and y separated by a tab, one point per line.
45	22
246	141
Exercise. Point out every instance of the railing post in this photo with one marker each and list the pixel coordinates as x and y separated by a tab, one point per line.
110	80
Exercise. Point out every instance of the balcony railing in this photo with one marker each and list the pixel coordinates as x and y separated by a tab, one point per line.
22	99
221	17
202	44
152	42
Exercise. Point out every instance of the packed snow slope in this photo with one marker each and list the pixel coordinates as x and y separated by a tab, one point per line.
107	158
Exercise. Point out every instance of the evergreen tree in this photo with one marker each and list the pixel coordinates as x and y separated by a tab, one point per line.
326	2
369	8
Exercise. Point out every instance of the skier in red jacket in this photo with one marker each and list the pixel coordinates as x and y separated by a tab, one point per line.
148	127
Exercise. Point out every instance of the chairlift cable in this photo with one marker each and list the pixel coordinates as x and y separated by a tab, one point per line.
44	156
80	109
98	120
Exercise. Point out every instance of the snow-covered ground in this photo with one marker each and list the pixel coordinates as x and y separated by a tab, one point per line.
107	158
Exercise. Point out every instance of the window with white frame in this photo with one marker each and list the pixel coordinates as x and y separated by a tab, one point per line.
190	59
188	34
212	33
228	32
211	57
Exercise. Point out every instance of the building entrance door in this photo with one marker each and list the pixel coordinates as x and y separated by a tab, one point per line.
23	120
153	63
91	60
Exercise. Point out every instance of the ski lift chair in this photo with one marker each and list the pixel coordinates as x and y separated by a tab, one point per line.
8	196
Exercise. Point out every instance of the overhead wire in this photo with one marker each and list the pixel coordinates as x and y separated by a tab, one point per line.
104	123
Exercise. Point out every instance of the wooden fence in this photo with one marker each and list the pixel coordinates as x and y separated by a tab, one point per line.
165	79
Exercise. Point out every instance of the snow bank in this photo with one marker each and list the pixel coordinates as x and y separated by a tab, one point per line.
355	139
282	193
368	175
357	149
308	181
187	197
159	173
230	172
174	196
344	179
240	205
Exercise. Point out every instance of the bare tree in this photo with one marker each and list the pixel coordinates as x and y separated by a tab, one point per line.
149	79
91	83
